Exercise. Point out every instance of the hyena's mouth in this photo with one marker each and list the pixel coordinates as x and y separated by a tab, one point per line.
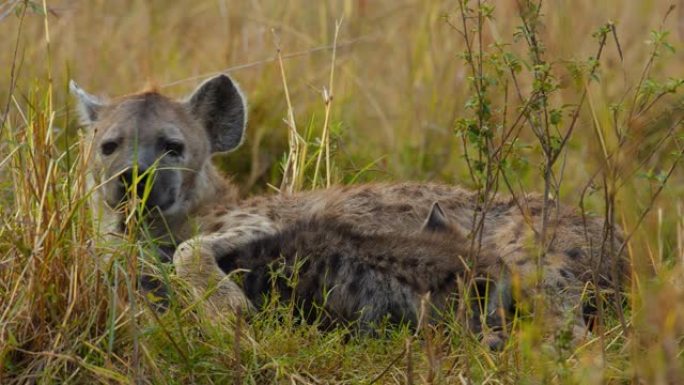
166	204
159	201
163	201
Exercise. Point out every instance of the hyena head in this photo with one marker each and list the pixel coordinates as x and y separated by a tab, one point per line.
162	146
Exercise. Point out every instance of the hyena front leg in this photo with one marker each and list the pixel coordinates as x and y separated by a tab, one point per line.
196	261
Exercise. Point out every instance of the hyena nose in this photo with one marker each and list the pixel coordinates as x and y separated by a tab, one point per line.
129	176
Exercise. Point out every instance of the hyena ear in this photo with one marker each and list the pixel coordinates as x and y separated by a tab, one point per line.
219	105
89	105
436	220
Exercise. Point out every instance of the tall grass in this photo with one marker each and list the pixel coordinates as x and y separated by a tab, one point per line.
577	100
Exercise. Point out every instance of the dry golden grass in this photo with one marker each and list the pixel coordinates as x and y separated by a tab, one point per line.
400	85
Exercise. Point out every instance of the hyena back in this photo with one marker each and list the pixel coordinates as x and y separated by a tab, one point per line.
169	143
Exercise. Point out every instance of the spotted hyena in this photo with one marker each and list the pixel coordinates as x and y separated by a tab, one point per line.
164	148
321	263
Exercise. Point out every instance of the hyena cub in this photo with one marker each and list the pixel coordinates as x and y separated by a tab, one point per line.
368	278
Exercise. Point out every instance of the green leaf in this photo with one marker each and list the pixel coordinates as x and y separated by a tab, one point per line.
556	116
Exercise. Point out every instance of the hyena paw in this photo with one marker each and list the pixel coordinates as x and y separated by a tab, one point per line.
226	297
195	262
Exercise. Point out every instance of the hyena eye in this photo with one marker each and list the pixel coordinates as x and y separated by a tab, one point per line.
109	147
173	148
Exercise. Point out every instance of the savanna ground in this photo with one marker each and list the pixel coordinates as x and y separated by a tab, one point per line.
578	99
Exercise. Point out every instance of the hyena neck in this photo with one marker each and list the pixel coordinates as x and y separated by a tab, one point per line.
206	189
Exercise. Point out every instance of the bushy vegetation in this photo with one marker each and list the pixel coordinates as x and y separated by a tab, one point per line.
577	100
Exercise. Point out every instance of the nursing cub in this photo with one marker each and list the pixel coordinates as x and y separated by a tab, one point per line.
338	275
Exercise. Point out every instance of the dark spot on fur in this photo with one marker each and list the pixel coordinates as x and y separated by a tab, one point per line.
412	262
305	267
499	209
319	268
363	194
397	314
575	253
215	227
449	279
521	261
334	262
564	273
359	272
368	293
308	286
403	208
353	289
256	285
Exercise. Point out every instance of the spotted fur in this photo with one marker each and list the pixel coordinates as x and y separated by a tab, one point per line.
192	206
367	278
